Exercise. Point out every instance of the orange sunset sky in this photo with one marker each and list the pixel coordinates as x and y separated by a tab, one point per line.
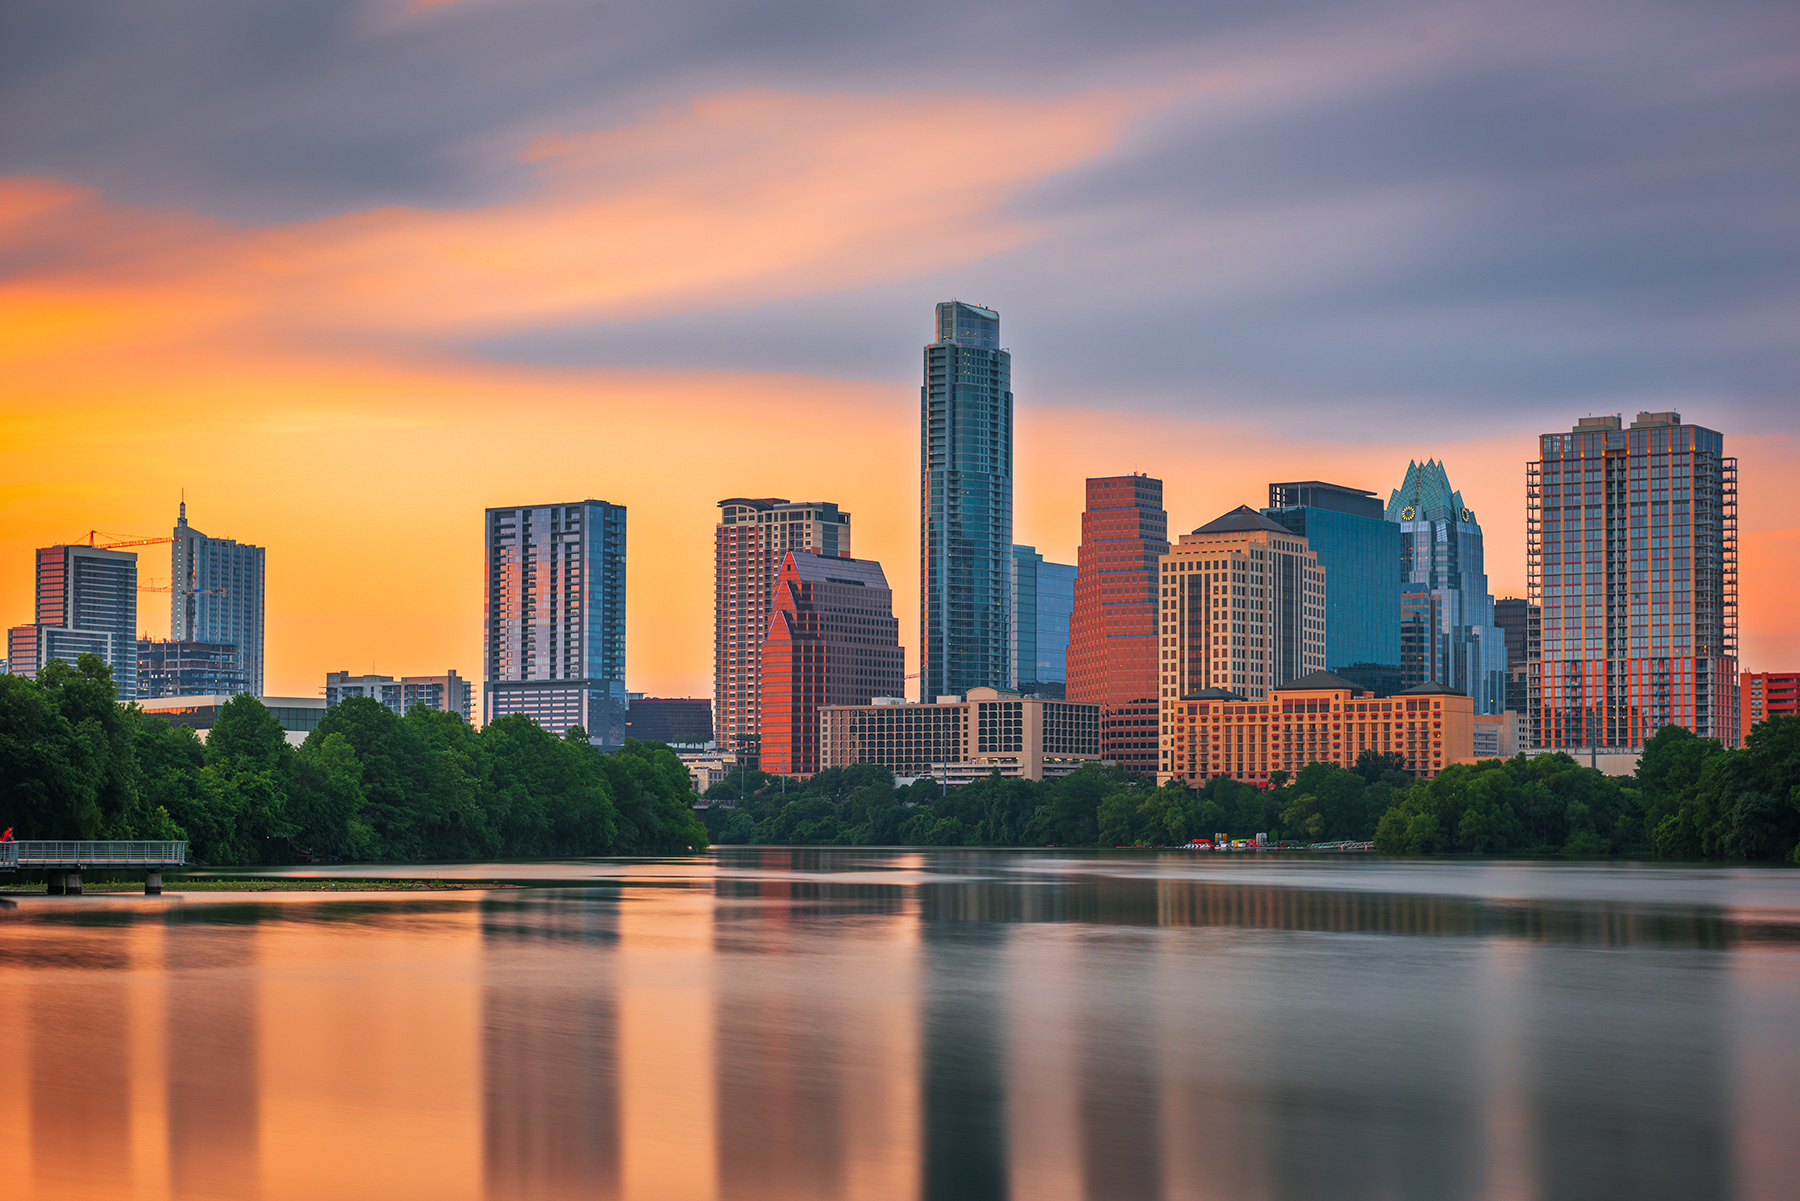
429	261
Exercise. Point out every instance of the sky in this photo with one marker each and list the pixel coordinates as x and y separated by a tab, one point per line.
345	274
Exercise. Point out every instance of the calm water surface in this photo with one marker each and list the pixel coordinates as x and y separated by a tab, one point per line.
839	1024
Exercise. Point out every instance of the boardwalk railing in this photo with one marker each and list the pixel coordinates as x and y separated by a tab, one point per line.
1341	846
41	853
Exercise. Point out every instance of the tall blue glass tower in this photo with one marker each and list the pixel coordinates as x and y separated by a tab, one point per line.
1360	552
965	505
1043	601
1448	635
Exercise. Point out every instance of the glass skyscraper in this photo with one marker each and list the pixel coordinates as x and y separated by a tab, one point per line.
1631	549
1359	550
216	595
1043	596
1447	632
555	645
965	503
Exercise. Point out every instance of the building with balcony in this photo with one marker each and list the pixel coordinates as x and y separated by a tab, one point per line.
86	602
1766	694
956	739
216	595
448	693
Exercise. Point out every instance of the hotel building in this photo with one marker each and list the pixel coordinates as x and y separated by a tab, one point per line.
216	595
832	640
965	505
86	602
554	648
1766	694
752	538
1320	718
1113	630
1631	552
958	739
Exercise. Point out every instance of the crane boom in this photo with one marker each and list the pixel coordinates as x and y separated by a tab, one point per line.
119	541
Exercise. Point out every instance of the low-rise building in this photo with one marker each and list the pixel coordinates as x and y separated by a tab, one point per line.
1766	694
448	692
959	738
298	715
1499	735
1319	718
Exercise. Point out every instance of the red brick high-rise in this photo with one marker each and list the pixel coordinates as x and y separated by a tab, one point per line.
832	640
1113	634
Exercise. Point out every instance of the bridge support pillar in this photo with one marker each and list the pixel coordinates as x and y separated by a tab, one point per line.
73	883
54	883
153	884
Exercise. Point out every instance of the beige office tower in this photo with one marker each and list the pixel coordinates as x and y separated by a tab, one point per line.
753	535
1243	611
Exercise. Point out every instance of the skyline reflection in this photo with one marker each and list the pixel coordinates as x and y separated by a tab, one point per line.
809	1028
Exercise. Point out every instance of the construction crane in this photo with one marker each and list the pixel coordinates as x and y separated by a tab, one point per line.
122	540
192	592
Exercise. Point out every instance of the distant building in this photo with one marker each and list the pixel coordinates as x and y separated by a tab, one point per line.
1359	551
216	595
965	504
753	536
192	668
1444	583
1518	620
1499	735
678	721
957	739
1113	630
554	648
86	603
1319	718
1631	548
298	715
832	640
1043	600
449	693
1766	694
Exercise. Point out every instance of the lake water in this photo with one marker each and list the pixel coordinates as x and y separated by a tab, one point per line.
840	1024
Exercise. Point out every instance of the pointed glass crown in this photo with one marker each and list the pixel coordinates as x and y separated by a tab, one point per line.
1426	495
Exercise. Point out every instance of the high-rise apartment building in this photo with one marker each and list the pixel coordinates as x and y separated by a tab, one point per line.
216	595
448	693
1447	632
1766	694
192	668
750	542
1043	600
1242	604
1359	552
965	505
1631	550
833	640
1113	631
86	602
555	641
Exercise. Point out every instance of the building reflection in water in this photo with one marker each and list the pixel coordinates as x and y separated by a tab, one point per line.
963	1061
214	1076
1119	1065
549	1048
80	1099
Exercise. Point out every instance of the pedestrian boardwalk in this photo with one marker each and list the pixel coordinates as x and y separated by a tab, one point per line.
62	861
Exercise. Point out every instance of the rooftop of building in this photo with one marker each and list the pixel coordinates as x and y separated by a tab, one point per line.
826	569
1316	681
1242	519
1426	487
1430	688
1214	694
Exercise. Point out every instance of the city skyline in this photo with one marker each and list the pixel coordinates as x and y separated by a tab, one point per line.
1415	236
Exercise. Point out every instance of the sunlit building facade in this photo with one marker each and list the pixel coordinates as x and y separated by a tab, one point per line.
1113	629
1631	550
965	505
1447	634
555	638
832	640
753	536
216	595
1319	718
1766	694
448	693
959	739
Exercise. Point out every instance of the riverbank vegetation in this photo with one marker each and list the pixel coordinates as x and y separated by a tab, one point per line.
366	785
1690	800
